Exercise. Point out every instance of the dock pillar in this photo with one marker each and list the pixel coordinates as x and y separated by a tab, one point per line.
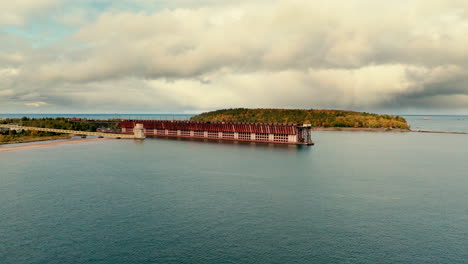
139	131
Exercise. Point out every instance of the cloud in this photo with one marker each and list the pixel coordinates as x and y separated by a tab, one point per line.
190	55
288	35
6	73
18	12
36	104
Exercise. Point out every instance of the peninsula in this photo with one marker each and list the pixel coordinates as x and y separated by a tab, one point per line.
317	118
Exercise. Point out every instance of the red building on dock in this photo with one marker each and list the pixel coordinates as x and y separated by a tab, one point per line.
236	131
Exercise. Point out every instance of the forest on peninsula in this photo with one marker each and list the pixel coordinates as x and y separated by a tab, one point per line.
316	117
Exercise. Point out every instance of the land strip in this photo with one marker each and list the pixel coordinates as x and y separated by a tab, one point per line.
47	144
439	132
360	129
384	130
29	139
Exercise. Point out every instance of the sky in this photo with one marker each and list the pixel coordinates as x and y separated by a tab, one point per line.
185	56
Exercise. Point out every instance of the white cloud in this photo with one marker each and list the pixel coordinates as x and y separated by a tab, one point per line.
18	12
8	72
35	104
288	53
289	35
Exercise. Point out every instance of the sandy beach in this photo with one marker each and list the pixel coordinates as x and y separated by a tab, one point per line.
40	144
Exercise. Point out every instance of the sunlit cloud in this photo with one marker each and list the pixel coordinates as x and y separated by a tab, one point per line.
36	104
157	56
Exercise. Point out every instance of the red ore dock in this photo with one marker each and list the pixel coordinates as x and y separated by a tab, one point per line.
276	133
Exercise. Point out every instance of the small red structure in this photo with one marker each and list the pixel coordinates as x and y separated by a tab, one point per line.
237	131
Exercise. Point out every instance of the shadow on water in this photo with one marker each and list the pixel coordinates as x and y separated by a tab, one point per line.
241	144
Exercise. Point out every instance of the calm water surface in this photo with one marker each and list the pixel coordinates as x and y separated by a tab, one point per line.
452	123
355	197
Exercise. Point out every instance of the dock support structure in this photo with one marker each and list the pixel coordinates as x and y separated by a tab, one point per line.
139	131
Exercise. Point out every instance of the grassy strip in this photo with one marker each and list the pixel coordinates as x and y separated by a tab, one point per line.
26	139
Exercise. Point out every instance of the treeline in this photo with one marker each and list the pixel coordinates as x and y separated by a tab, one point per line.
317	118
26	136
57	123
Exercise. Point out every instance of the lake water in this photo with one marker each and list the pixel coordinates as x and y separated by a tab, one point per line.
354	197
452	123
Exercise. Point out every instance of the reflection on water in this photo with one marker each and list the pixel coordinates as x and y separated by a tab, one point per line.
240	144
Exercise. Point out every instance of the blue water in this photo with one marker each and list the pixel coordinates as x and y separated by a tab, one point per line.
452	123
354	197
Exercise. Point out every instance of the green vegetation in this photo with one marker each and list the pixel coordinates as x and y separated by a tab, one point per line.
57	123
12	136
28	136
317	118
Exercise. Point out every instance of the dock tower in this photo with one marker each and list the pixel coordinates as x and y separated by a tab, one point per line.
139	131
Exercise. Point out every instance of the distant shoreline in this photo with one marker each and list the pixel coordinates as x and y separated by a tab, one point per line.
40	144
381	129
385	130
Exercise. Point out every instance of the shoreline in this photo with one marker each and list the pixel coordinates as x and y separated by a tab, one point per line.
395	130
439	132
22	146
361	129
38	139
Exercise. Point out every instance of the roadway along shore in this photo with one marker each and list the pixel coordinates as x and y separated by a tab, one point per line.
40	144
